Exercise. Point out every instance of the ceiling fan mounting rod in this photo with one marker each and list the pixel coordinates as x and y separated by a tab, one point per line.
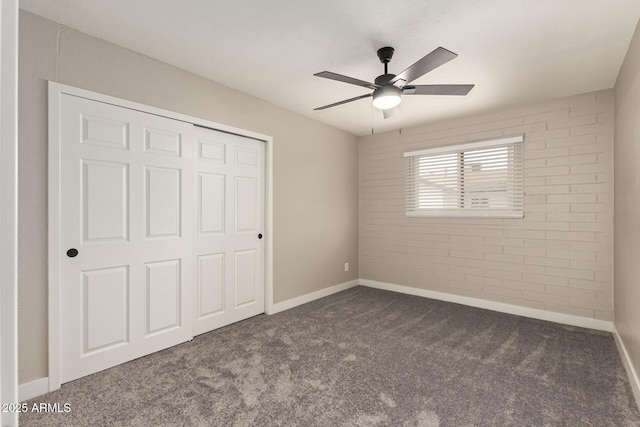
385	54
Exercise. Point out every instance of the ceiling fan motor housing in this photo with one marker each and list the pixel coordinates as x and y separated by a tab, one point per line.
384	79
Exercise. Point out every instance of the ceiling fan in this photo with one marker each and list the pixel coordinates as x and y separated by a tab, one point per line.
388	88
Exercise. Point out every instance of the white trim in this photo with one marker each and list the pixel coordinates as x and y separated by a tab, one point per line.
132	105
35	388
9	210
56	90
567	319
268	234
634	379
294	302
53	224
443	149
464	213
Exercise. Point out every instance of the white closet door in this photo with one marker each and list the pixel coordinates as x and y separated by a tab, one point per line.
126	209
230	250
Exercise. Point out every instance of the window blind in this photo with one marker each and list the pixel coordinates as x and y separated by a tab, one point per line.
478	179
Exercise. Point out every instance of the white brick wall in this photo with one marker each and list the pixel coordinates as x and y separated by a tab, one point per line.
558	258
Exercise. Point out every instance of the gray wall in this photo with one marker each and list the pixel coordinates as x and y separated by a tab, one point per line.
558	258
627	202
315	166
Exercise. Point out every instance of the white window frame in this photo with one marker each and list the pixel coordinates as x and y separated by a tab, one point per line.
515	184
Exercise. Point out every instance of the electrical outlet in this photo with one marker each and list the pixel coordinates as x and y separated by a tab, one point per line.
346	266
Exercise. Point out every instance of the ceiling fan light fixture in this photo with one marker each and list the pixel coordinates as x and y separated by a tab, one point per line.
385	97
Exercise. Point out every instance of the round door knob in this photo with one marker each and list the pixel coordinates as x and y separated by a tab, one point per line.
260	236
73	252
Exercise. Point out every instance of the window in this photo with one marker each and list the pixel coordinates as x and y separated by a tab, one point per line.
479	179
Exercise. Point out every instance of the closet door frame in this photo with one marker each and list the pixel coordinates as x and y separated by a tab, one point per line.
56	91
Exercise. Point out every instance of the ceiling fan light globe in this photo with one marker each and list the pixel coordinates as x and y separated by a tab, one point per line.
386	97
386	102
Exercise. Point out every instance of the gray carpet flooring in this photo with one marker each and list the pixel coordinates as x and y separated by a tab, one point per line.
364	357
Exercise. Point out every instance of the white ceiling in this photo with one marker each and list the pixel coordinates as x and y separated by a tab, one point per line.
514	51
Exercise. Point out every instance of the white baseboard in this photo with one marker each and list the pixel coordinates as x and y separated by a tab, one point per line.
33	389
567	319
634	379
294	302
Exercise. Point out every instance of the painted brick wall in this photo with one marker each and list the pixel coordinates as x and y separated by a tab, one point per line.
558	258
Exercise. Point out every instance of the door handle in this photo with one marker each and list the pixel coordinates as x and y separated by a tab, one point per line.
259	235
72	253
